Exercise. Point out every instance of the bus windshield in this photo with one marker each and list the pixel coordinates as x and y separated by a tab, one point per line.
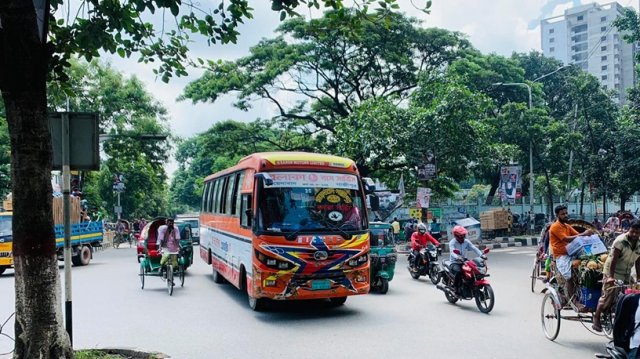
303	201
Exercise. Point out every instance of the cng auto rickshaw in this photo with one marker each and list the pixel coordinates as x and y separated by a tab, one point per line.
383	256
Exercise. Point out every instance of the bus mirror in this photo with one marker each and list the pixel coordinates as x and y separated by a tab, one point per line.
369	185
268	181
374	202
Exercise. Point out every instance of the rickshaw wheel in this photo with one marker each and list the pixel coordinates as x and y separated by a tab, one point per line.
550	315
537	269
170	279
181	275
607	320
384	286
142	272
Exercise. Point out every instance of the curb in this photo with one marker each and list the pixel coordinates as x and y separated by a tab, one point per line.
134	353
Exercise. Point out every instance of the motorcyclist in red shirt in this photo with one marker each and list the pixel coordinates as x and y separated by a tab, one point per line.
419	239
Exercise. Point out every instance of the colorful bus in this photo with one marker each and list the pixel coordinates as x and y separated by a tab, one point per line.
287	226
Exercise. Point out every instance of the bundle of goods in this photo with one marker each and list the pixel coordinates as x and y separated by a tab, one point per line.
589	270
495	219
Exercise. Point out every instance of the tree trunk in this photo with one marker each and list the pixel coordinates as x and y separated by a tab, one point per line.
39	332
495	182
549	192
623	199
584	185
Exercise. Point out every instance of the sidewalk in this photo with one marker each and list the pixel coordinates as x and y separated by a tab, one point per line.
495	243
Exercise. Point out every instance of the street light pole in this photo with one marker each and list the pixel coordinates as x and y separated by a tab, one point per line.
531	177
531	213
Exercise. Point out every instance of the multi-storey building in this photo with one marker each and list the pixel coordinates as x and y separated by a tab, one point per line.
585	36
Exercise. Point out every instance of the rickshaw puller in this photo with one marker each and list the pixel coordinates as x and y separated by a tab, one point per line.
168	241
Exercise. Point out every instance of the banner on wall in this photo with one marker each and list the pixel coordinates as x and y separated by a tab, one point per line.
423	197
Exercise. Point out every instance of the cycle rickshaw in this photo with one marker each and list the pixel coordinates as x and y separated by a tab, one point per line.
150	261
587	276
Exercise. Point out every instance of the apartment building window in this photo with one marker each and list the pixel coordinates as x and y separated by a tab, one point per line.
552	49
604	67
604	77
580	18
579	47
603	19
603	58
551	31
604	38
552	40
580	28
603	29
604	87
603	48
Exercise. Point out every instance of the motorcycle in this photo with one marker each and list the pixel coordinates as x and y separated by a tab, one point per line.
473	284
428	264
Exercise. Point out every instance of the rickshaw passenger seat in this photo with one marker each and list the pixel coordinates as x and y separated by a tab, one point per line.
154	253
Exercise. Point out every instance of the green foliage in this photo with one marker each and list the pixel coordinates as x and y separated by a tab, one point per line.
128	115
222	146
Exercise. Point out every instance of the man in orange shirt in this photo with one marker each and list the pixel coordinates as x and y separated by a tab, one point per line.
560	234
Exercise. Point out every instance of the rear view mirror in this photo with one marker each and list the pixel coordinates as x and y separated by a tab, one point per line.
457	251
374	202
369	185
486	250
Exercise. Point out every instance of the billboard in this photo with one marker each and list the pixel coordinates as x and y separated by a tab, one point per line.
510	183
427	170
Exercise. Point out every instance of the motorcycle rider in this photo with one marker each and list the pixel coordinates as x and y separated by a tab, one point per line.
461	243
419	239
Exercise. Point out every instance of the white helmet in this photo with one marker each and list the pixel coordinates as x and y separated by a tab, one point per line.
422	228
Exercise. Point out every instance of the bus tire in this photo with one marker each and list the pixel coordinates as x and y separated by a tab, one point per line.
2	269
338	301
217	277
257	304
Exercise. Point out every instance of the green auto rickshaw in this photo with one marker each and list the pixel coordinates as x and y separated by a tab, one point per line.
383	256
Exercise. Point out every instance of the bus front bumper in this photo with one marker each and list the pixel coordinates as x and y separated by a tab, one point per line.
287	286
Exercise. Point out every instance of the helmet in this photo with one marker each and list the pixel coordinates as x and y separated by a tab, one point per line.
422	228
459	232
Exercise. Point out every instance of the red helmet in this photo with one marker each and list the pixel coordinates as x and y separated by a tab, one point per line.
459	231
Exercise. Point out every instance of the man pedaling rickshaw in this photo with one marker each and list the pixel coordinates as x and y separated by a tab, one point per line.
168	240
624	255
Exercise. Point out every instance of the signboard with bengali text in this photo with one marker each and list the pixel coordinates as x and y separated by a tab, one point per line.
313	180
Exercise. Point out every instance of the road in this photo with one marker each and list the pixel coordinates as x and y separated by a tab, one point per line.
207	320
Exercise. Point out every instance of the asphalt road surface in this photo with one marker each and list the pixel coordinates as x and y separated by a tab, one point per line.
207	320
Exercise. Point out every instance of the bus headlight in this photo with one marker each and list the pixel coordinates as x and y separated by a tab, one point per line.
358	261
272	262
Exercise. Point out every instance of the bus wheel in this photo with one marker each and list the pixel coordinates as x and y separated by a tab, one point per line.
2	269
338	301
257	304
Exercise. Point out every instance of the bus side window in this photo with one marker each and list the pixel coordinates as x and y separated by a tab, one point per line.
245	211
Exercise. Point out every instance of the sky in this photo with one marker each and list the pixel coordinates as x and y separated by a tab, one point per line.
494	26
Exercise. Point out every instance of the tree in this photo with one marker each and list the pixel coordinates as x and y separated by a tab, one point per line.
320	72
27	57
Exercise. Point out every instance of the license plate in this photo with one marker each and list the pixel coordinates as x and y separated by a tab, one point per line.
320	284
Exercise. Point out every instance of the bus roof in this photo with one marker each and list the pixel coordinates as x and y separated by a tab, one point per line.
262	161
